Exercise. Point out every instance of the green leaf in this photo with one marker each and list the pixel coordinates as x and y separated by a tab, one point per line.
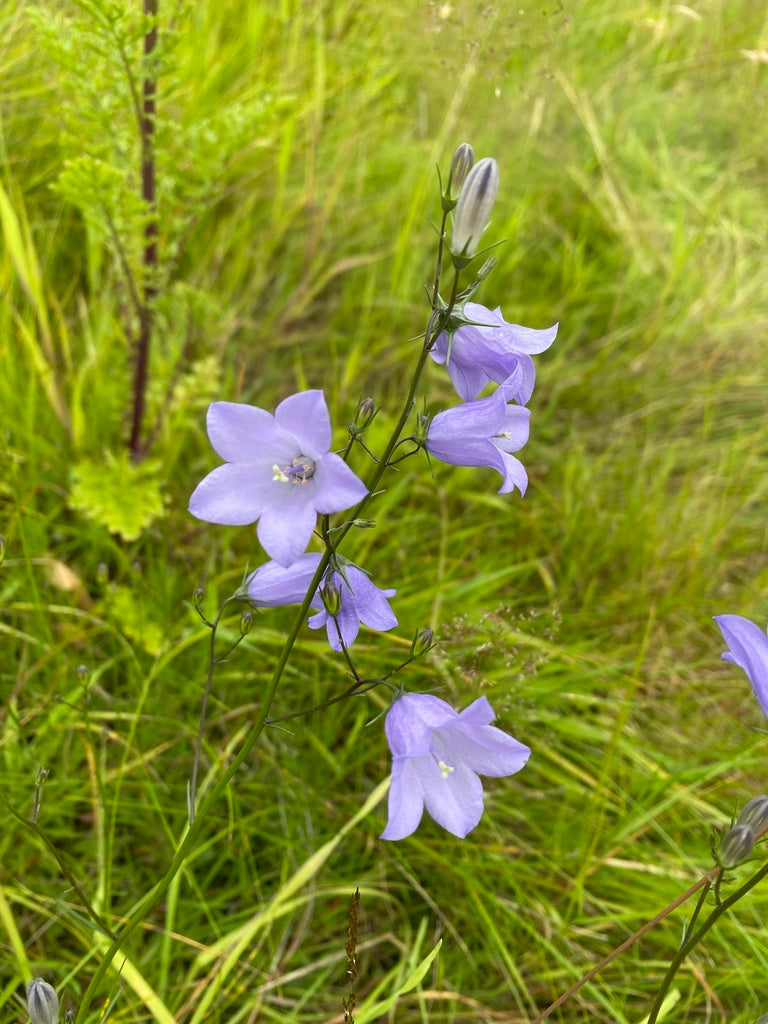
117	493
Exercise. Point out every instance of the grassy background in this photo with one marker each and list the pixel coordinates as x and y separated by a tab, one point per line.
296	164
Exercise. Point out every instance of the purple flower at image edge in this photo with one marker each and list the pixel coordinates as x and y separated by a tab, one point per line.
748	648
484	433
278	470
273	585
491	350
438	755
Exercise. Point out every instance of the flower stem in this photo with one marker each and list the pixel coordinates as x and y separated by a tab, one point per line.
698	935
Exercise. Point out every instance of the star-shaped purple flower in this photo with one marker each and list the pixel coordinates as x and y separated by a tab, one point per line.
483	433
278	469
749	650
273	585
437	755
490	349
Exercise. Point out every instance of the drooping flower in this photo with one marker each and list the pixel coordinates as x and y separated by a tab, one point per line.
278	470
748	648
360	601
489	349
473	210
483	433
438	755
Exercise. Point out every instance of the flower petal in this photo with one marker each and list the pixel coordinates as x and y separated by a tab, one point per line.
406	802
273	585
485	749
231	495
239	432
305	415
749	650
337	486
454	798
371	606
410	720
284	531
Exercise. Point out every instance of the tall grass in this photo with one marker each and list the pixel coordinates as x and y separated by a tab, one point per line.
633	202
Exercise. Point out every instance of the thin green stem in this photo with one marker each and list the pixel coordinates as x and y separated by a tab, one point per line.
698	935
187	843
212	663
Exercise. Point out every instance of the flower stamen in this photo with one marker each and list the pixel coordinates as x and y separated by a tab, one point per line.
300	469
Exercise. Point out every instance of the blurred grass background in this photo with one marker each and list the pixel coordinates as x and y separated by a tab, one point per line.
297	145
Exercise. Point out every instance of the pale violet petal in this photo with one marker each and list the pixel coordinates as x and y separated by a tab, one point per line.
230	495
273	585
285	532
748	648
485	749
406	803
337	486
453	796
240	432
305	415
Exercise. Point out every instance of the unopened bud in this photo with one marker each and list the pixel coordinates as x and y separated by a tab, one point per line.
736	846
473	210
363	524
755	814
422	428
82	672
331	595
246	621
198	596
461	165
364	413
2	549
422	642
42	1002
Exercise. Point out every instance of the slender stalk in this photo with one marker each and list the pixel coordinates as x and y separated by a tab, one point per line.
698	935
212	663
149	257
187	843
704	882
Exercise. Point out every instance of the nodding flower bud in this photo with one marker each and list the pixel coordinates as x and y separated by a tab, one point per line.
473	210
42	1002
246	621
755	814
422	642
736	846
364	413
461	165
198	596
422	428
331	595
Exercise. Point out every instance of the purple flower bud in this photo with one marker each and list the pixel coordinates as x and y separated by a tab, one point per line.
364	413
461	165
422	642
42	1002
755	814
736	846
331	596
473	210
